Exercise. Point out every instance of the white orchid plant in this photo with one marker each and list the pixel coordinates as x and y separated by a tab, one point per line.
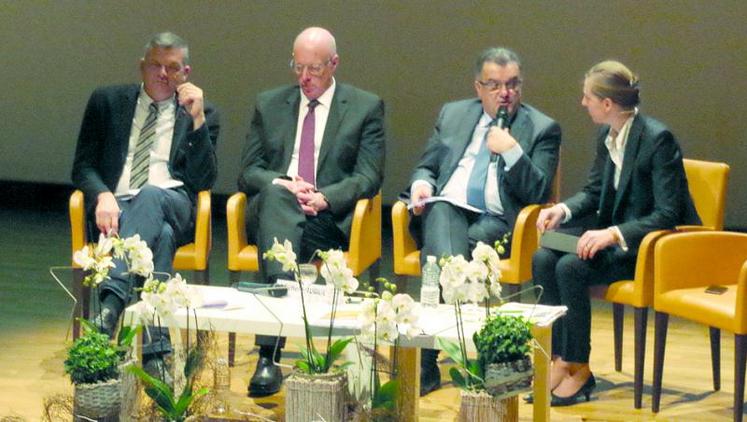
336	273
472	281
382	318
159	301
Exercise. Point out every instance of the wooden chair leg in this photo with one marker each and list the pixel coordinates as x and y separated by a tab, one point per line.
740	354
202	277
661	322
231	349
641	317
234	276
374	272
715	335
618	316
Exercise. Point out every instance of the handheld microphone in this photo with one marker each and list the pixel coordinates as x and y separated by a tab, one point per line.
501	121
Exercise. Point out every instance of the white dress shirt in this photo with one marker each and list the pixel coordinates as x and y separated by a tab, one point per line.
158	168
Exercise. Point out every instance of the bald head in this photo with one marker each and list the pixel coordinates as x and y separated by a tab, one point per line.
318	39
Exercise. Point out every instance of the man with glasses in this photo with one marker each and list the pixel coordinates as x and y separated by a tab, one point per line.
487	173
144	151
313	150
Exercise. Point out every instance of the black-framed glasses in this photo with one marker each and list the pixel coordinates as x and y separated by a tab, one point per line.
313	69
511	85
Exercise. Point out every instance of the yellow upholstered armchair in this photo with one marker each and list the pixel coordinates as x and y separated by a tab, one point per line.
515	270
691	267
707	182
364	251
190	257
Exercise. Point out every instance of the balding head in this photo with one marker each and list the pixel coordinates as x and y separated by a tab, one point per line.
318	39
314	61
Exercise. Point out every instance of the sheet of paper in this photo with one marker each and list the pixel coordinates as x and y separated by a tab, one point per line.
444	199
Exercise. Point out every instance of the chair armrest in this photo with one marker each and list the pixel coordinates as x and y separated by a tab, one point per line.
235	214
203	230
643	290
365	234
402	243
77	211
741	305
524	242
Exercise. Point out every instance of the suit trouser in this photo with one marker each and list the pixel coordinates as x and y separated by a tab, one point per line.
450	230
565	279
164	220
276	214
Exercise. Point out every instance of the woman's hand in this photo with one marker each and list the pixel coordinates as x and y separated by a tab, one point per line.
594	241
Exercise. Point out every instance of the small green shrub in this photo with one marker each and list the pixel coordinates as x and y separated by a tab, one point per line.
503	338
92	358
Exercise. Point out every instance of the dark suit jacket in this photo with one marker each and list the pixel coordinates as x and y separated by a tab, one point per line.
652	193
528	182
104	139
350	165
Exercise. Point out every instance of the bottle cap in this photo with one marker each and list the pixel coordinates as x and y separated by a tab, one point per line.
431	259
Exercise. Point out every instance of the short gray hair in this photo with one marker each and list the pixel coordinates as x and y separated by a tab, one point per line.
168	40
498	55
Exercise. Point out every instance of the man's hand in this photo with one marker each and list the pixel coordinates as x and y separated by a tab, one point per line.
422	192
107	213
296	186
499	140
594	241
550	218
191	98
312	202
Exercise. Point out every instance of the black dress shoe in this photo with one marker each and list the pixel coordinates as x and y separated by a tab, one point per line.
156	367
584	391
267	378
529	398
106	321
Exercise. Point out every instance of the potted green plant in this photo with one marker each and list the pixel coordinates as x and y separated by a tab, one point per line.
93	363
503	349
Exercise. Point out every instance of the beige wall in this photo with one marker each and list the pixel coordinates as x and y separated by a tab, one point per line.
691	57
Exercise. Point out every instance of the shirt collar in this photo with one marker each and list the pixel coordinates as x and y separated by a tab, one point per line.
324	100
144	99
619	141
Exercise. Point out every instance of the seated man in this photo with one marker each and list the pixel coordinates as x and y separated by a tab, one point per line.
313	150
143	153
495	171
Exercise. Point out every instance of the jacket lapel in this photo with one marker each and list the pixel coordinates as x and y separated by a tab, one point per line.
631	153
127	103
287	128
463	137
337	111
182	123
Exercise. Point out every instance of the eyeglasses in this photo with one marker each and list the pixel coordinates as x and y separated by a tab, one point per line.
512	85
171	69
313	69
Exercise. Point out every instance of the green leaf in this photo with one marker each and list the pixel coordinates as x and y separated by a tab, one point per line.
385	396
194	360
452	349
88	325
156	389
457	377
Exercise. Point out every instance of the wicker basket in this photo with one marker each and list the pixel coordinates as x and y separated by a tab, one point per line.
318	397
98	400
509	379
482	407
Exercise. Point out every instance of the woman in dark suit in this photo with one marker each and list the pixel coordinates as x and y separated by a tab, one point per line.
636	185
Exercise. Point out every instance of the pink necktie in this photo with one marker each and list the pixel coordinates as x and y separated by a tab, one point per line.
306	149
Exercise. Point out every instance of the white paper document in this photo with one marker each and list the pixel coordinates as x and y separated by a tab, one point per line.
444	199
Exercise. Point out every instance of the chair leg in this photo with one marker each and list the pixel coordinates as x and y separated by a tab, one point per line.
511	292
641	317
202	277
661	322
374	272
234	276
740	354
715	335
618	316
231	349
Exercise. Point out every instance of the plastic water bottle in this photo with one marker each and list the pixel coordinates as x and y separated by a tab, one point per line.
429	292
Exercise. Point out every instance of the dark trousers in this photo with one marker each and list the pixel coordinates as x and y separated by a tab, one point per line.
450	230
164	219
276	214
566	279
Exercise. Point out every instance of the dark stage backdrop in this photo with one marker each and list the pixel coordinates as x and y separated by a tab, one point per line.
691	57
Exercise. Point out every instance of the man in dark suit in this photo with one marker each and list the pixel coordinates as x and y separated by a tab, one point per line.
144	151
493	171
312	151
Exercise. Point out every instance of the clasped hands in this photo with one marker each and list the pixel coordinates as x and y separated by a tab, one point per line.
310	200
591	242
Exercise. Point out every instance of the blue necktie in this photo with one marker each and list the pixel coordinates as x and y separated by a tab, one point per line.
479	175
